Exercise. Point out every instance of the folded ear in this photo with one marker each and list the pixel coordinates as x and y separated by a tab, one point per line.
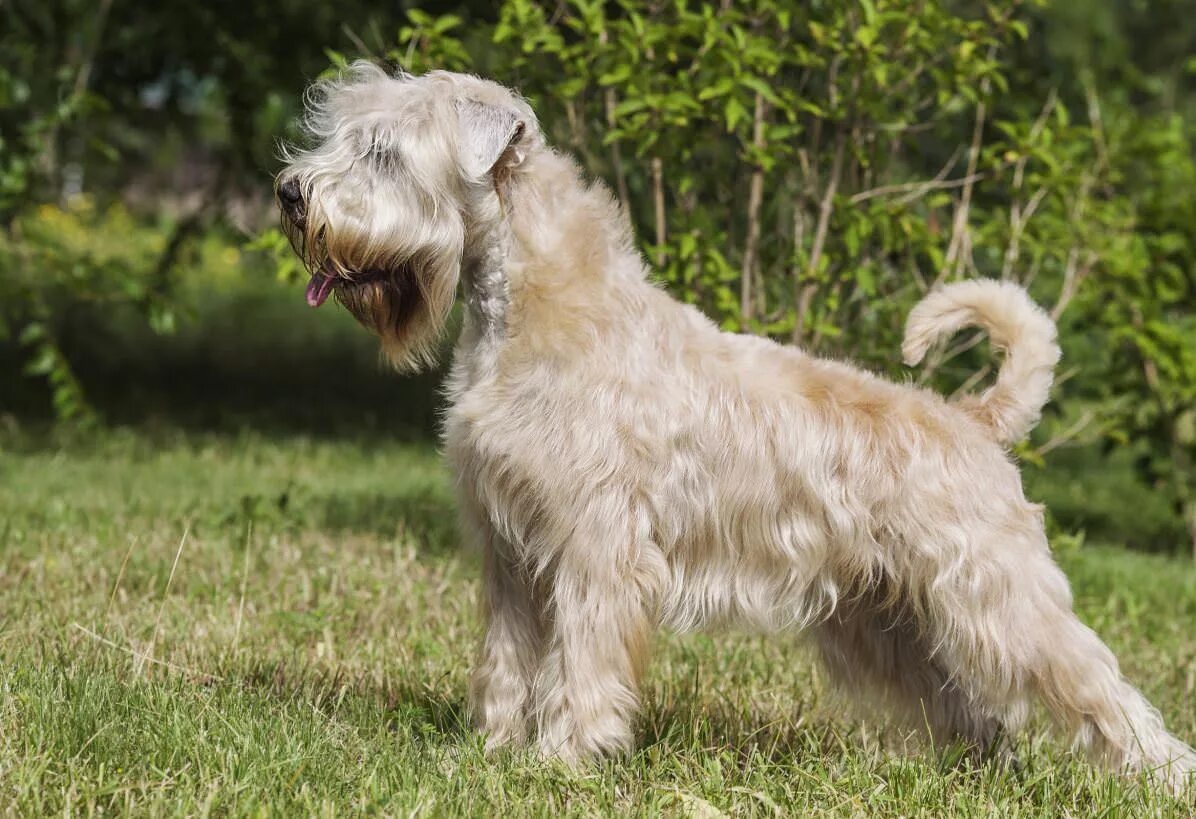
487	131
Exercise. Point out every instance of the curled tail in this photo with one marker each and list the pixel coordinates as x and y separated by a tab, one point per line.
1016	325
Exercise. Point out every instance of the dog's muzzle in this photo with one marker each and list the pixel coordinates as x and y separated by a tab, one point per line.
290	199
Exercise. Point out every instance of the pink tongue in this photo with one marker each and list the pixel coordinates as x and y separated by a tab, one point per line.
318	288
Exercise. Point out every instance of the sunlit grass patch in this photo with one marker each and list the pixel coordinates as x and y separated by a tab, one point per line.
243	625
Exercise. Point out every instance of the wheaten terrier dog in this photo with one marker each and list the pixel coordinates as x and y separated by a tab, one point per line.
625	465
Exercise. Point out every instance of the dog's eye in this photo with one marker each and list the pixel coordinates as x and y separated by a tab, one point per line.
378	152
378	149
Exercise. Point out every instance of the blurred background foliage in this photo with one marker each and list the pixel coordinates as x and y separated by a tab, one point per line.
800	170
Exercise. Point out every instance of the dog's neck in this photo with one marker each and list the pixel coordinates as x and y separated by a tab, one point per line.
486	289
515	228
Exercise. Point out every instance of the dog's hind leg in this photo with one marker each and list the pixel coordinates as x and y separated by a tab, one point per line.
1079	681
871	648
1003	627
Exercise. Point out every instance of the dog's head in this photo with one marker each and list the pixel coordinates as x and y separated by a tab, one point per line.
395	192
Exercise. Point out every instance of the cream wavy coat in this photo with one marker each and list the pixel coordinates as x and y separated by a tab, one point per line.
625	465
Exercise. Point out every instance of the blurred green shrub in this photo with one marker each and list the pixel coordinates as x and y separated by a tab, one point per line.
76	254
804	171
808	171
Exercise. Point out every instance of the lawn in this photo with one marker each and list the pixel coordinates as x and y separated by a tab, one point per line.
246	624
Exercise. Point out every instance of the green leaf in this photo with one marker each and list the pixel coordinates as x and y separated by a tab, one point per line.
734	113
616	76
761	87
32	333
43	361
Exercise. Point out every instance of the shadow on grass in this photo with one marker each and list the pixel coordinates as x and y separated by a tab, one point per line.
419	710
424	712
427	515
427	714
800	739
671	726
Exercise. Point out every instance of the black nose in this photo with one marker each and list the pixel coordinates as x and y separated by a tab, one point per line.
290	197
289	194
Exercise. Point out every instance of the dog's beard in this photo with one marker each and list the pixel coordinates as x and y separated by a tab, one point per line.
393	302
403	295
386	302
383	299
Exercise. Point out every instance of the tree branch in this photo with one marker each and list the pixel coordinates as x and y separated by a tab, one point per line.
959	225
825	207
1067	435
609	103
916	190
658	201
755	200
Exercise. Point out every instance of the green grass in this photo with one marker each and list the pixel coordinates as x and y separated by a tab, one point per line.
305	648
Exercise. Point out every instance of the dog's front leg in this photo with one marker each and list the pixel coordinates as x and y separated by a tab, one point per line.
586	691
500	691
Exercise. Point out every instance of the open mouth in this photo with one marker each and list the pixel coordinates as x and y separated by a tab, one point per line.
321	285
